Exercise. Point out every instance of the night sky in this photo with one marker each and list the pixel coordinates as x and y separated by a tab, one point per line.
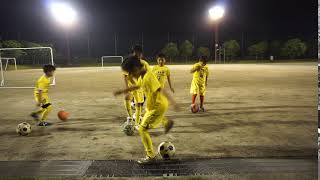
254	20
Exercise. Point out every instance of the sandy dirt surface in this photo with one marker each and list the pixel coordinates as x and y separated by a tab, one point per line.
264	110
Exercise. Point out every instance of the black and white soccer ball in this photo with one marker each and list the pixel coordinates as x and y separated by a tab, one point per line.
166	150
128	128
133	106
23	129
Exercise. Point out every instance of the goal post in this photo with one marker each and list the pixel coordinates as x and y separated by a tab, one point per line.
7	62
111	59
5	51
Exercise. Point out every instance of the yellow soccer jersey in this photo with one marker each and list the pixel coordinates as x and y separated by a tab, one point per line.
42	84
131	80
162	73
151	86
200	75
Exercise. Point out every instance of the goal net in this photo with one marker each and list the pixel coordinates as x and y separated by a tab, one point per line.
20	67
111	61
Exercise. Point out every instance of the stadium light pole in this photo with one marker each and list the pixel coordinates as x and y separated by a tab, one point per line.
65	15
216	13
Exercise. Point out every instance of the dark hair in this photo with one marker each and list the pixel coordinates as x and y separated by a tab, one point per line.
48	68
204	58
137	48
161	55
130	64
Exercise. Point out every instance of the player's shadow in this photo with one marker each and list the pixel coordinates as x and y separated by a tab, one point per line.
218	127
246	151
213	113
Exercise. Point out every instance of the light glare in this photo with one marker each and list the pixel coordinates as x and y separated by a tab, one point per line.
216	12
63	13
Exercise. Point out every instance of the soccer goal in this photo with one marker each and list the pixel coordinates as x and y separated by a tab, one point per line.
27	63
7	62
111	60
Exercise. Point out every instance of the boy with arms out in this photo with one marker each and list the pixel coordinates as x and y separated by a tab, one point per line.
156	105
136	95
199	82
162	72
41	96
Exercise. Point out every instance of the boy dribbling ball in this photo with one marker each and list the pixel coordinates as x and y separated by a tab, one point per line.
41	96
199	82
137	96
162	72
156	105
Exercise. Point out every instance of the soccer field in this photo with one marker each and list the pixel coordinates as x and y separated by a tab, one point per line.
253	110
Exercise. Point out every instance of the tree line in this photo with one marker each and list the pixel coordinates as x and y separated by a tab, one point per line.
33	56
292	48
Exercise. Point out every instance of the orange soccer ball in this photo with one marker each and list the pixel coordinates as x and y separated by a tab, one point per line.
194	108
63	115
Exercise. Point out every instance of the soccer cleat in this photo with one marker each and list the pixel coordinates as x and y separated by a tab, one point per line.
168	126
35	116
201	109
44	124
146	160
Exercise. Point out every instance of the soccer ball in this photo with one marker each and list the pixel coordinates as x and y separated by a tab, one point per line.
133	106
166	150
194	108
23	129
128	128
63	115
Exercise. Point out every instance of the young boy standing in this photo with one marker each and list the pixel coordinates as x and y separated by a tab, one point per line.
41	96
199	82
162	72
136	95
156	105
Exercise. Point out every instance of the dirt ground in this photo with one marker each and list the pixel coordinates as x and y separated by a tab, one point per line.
253	110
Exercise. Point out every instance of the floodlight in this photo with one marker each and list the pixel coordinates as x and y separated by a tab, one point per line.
216	13
63	13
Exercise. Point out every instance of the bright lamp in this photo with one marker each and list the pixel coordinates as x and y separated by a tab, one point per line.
216	13
63	13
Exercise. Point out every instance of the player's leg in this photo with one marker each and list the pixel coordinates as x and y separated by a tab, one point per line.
202	91
139	99
193	98
39	110
194	91
127	104
151	119
47	107
145	137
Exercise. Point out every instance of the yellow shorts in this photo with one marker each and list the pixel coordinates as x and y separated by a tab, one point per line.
198	88
153	118
138	96
45	99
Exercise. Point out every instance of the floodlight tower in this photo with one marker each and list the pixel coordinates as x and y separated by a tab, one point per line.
65	15
216	13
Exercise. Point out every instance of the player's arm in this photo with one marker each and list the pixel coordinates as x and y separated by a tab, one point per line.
170	98
125	78
195	68
206	81
207	77
126	90
169	82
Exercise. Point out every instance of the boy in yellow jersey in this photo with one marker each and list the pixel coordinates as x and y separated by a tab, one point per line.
162	72
41	96
156	105
199	82
136	95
